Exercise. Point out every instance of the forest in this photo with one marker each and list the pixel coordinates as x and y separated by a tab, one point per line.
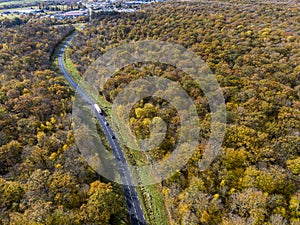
43	177
254	52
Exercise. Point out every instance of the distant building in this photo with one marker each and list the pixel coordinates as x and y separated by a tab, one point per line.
70	14
28	11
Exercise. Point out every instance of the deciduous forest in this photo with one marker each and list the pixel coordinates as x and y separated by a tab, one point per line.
254	51
43	177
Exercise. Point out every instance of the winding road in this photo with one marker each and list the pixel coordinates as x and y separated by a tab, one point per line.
133	203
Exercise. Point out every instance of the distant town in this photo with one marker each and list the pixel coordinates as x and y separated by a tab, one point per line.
72	9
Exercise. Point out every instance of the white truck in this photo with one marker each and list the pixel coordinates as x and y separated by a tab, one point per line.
97	108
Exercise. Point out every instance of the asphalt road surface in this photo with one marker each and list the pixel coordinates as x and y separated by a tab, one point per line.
133	203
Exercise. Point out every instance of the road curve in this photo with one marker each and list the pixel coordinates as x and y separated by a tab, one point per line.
133	203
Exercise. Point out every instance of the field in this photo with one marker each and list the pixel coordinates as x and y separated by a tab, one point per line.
4	3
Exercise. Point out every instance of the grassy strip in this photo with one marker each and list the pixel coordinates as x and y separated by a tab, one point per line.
54	55
70	67
77	77
151	196
156	204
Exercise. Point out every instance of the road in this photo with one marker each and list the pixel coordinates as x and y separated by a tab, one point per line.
133	203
